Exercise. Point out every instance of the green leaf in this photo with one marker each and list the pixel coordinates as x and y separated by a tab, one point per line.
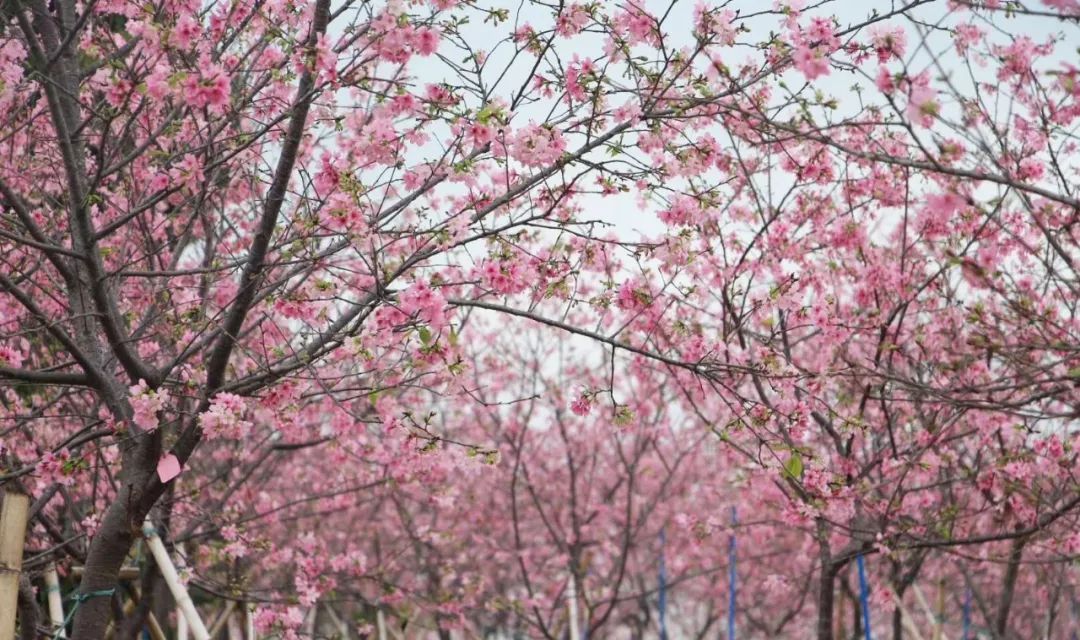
489	113
793	468
1074	373
425	335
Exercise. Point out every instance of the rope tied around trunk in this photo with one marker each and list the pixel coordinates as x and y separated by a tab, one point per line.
78	599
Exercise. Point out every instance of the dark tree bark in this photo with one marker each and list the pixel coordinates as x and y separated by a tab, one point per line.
1008	587
28	610
826	589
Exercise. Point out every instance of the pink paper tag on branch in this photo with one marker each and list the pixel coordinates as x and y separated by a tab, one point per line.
168	468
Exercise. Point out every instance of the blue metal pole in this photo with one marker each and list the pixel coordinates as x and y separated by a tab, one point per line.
864	596
663	589
732	577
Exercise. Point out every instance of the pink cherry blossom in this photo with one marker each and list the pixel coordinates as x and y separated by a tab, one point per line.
146	404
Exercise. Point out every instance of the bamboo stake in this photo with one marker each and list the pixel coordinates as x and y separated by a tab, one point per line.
249	620
222	618
309	622
343	628
126	573
571	597
182	629
235	632
129	608
56	603
156	632
396	632
168	572
380	622
926	608
13	514
152	624
181	625
906	619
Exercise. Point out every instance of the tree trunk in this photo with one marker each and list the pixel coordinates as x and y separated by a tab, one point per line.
106	555
110	546
28	610
825	596
825	599
1008	587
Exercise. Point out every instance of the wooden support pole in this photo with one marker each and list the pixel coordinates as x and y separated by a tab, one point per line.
380	623
181	625
156	632
249	621
129	608
571	600
343	629
223	617
906	619
233	626
927	611
309	622
152	625
126	573
13	514
168	572
56	601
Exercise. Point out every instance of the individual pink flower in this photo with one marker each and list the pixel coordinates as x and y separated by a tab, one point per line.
537	145
426	41
506	276
404	104
637	23
811	62
10	356
633	296
1017	59
209	88
187	29
582	405
965	35
58	468
157	84
684	210
146	404
572	20
885	80
821	32
923	105
426	303
224	418
1030	169
480	134
888	42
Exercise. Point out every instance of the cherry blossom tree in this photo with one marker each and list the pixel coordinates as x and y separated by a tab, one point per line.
261	261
